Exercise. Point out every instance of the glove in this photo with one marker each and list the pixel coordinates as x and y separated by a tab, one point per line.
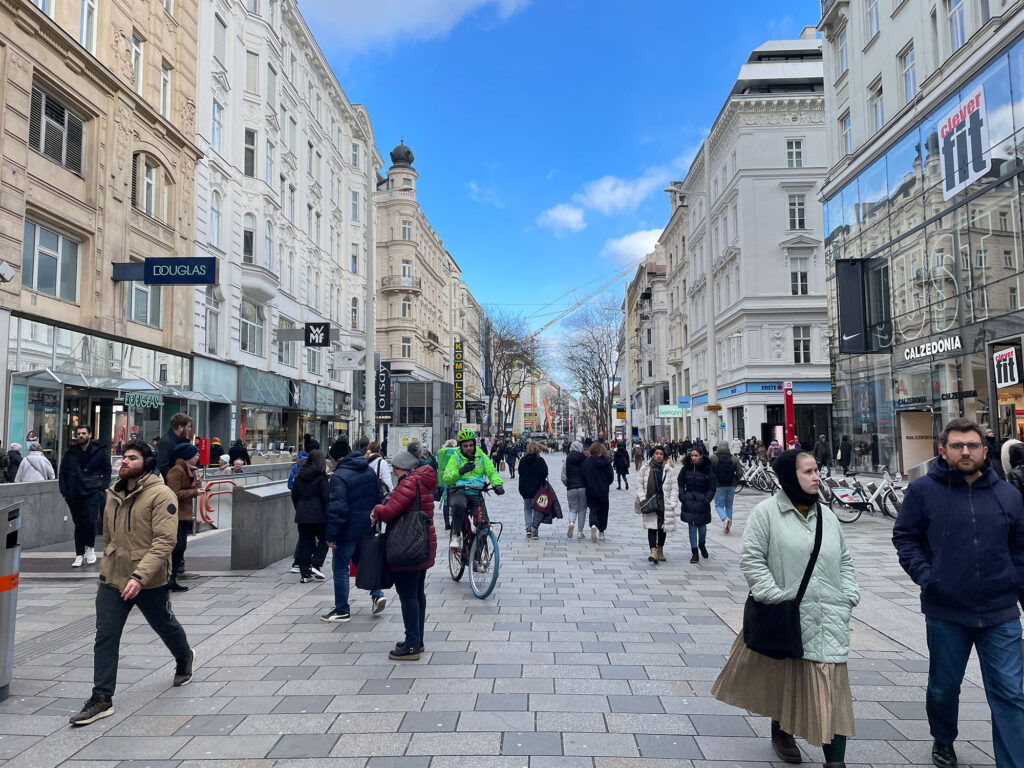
469	466
500	490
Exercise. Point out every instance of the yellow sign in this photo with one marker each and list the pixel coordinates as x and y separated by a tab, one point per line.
460	378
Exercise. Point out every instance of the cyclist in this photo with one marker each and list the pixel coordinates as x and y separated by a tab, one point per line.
465	475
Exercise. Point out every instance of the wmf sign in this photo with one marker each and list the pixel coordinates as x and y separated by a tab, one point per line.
460	378
318	334
963	136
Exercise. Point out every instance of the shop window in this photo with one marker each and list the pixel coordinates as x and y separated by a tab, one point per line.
56	132
251	327
144	304
49	262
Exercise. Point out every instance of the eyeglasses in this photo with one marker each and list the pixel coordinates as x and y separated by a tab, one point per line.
972	447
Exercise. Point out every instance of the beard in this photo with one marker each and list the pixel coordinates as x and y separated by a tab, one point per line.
968	465
127	473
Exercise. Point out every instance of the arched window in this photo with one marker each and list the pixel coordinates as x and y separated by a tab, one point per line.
355	314
215	219
314	301
268	245
289	273
406	307
248	239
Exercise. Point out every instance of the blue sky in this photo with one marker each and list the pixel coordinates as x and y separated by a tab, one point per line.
545	130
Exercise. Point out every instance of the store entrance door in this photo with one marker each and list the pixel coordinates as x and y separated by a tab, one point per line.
96	412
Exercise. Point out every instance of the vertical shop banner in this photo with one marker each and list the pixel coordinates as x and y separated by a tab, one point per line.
460	378
1006	367
383	393
963	138
850	294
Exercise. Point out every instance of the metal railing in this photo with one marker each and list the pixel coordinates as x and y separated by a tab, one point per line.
401	281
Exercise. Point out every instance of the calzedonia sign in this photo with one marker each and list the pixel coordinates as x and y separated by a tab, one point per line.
200	270
937	347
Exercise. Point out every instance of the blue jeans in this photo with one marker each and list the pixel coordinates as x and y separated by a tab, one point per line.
528	512
343	553
723	502
1002	670
695	530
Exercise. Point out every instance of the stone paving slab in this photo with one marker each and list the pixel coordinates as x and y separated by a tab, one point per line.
586	656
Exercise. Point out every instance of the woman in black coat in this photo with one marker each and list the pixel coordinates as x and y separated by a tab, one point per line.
696	492
533	472
621	466
310	495
597	469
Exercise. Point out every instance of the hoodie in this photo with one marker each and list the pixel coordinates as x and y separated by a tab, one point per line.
963	545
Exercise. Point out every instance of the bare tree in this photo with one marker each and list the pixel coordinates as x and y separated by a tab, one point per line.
590	356
510	356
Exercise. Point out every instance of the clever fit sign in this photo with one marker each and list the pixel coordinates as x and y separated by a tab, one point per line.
963	138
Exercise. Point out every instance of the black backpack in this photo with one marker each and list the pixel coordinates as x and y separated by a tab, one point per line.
383	492
725	472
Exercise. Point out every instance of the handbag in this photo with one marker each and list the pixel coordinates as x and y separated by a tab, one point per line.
773	629
383	492
653	505
408	537
373	572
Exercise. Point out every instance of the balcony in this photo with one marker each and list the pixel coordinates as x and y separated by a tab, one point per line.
395	323
831	12
433	340
259	283
401	283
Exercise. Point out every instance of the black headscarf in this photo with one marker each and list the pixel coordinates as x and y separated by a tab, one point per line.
785	468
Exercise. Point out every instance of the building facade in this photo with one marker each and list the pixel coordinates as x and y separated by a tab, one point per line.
752	244
923	221
647	326
99	162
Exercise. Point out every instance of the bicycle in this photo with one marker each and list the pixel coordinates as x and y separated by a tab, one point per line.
479	548
850	502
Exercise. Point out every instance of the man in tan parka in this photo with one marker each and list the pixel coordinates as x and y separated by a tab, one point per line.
140	525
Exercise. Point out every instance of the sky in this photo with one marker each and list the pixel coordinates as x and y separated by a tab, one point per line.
545	130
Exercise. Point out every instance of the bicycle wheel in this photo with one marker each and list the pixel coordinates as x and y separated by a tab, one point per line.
455	564
891	505
741	486
844	512
484	560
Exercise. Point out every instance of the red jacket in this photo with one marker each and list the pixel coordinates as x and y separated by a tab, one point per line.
404	497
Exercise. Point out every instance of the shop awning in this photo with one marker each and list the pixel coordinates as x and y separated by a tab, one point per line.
187	394
48	377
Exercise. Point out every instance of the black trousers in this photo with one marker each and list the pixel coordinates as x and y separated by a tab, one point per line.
111	614
656	538
312	546
178	553
598	511
621	478
458	502
411	593
85	511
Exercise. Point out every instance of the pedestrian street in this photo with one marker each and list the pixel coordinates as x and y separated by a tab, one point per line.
585	656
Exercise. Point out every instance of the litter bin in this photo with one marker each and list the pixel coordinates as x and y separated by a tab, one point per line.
10	556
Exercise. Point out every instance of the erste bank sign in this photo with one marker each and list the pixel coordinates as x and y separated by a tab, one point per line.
963	138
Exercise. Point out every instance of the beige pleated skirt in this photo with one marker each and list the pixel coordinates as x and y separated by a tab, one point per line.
810	699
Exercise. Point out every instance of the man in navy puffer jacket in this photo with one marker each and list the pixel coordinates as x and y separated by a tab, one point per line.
960	536
353	496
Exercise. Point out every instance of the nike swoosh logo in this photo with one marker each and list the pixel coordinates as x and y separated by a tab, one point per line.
853	336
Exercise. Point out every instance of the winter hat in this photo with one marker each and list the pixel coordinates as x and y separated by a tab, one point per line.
785	468
216	441
416	449
405	461
1012	455
185	451
224	458
363	444
339	449
576	446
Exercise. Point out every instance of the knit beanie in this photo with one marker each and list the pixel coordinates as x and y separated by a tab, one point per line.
405	461
185	451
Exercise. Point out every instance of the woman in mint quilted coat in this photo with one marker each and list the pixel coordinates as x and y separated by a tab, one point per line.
808	697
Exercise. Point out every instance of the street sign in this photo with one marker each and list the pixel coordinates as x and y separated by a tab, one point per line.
714	407
683	402
670	412
317	334
353	360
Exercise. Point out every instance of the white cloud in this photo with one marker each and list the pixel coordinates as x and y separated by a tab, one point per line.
488	195
631	247
355	26
563	217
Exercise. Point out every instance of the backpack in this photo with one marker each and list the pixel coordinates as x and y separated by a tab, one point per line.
774	450
383	492
725	471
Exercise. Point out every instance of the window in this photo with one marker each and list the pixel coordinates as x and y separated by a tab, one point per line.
272	89
212	320
406	307
281	192
49	262
46	6
313	360
220	37
289	273
406	347
215	219
355	155
406	182
292	130
252	72
798	276
316	228
648	335
981	258
318	166
268	245
794	153
248	238
1008	259
796	212
165	89
957	27
137	60
169	7
406	268
291	203
309	219
148	188
269	165
965	260
406	230
801	344
1013	297
1003	221
908	73
216	124
872	14
250	327
309	157
842	52
253	6
285	349
845	134
355	206
355	259
88	36
144	304
249	157
650	368
355	314
56	132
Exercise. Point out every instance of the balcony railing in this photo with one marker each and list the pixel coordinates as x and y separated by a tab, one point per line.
401	281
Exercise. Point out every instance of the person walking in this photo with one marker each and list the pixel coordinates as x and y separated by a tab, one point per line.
14	460
379	466
576	488
657	499
727	470
822	454
184	483
353	495
140	528
238	452
809	697
511	457
960	537
310	496
994	448
35	467
597	471
845	453
1013	464
84	476
533	473
761	452
696	492
415	486
181	424
216	451
638	455
621	463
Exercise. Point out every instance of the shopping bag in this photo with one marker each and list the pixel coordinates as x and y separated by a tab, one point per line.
373	572
501	467
408	537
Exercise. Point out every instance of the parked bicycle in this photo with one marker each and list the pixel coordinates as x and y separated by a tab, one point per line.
759	477
479	548
851	498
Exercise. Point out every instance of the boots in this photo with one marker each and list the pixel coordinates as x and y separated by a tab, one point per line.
783	743
661	554
654	556
833	765
703	550
695	558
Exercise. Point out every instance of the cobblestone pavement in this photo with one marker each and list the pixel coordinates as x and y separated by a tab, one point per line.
586	656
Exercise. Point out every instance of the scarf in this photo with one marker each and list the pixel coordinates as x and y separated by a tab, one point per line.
785	468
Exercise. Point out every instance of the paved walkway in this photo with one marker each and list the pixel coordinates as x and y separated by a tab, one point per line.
586	656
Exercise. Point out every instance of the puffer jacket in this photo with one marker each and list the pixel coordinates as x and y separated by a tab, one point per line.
777	545
353	495
34	468
140	529
621	460
533	471
670	490
483	472
696	491
574	477
599	475
180	479
310	495
404	498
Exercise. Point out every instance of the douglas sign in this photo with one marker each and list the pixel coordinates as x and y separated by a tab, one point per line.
180	271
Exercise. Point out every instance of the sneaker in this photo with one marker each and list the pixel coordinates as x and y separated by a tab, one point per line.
305	579
728	525
317	573
404	654
593	533
78	564
943	755
183	668
295	568
336	617
90	555
601	536
536	534
96	708
581	535
572	527
455	543
379	604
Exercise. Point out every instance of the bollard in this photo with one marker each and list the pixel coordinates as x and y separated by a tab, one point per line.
10	556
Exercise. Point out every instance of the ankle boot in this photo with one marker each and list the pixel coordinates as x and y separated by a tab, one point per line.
703	550
695	558
661	554
785	745
833	765
654	556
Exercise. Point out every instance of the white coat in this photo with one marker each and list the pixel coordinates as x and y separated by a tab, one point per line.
34	468
670	490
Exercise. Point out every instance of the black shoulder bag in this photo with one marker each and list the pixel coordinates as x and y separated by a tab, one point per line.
773	629
408	537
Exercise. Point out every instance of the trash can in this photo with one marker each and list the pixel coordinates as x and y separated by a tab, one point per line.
10	556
